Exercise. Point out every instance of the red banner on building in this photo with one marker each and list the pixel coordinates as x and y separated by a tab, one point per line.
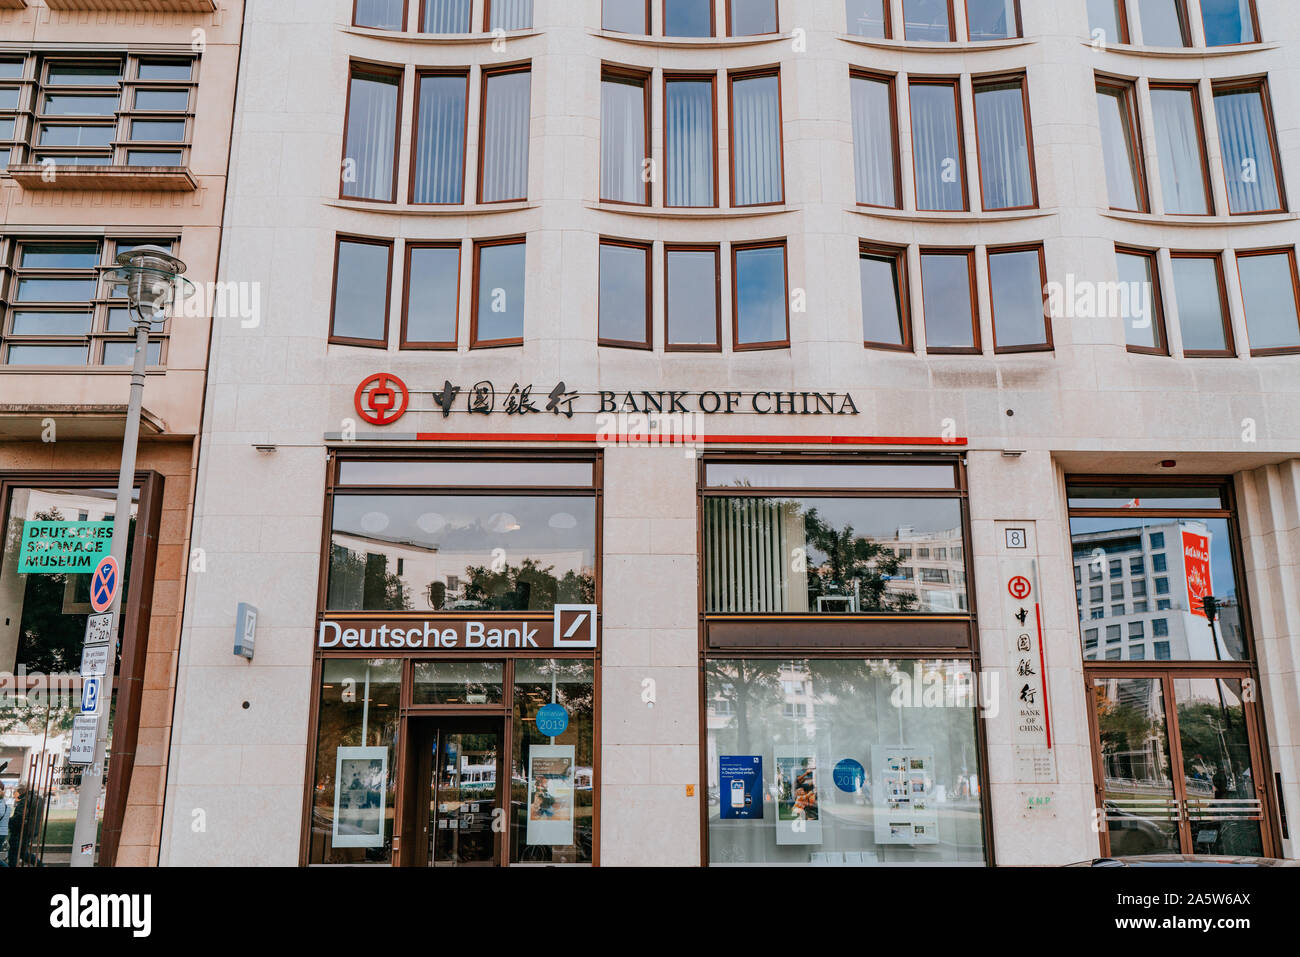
1196	564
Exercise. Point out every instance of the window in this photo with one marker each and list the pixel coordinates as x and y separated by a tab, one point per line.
1114	654
1270	291
441	102
1017	278
1164	604
1161	650
1113	634
762	319
1090	638
1159	563
693	306
625	16
503	134
380	14
1140	607
445	16
1162	586
688	18
928	20
1229	22
875	141
748	18
432	305
362	277
1136	566
937	150
625	145
1137	652
1180	149
1202	302
1121	146
1158	541
1107	18
1117	611
1164	23
370	140
1117	590
868	18
885	311
992	19
498	310
948	301
1250	162
1116	568
1139	301
624	310
1160	627
1135	630
509	14
757	175
1139	587
690	157
1096	594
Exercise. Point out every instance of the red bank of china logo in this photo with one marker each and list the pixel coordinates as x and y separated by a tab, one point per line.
382	399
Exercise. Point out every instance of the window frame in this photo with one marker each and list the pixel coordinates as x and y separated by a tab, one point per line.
485	74
887	26
696	77
487	18
868	249
1158	328
1290	253
339	240
415	345
1038	247
479	246
952	24
422	73
606	29
776	15
1198	114
736	249
1127	90
612	73
375	71
1122	14
1003	80
954	82
1020	25
422	19
891	80
1184	27
648	249
713	22
1230	348
1253	84
716	250
953	251
406	18
754	74
1254	20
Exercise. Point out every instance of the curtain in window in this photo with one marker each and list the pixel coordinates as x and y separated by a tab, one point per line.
622	131
865	18
1118	148
1178	146
1247	151
440	140
1162	24
937	155
747	544
756	135
1227	22
381	14
752	17
873	141
511	15
689	136
1003	146
991	19
372	132
505	137
446	16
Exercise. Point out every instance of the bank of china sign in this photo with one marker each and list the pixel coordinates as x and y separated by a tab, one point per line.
571	627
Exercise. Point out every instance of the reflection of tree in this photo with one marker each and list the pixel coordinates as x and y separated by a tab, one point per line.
1206	733
353	573
749	683
851	558
527	587
49	640
1127	734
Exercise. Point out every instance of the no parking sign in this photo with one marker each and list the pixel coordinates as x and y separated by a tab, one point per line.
104	584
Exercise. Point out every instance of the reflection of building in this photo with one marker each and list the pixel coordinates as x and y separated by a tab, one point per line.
933	568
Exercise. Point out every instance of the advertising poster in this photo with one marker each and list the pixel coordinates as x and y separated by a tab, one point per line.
798	814
1196	563
360	795
741	787
905	800
550	794
63	548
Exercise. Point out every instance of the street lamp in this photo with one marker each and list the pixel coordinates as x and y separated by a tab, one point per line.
152	277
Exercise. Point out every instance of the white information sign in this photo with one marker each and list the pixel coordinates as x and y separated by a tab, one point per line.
82	751
94	661
99	629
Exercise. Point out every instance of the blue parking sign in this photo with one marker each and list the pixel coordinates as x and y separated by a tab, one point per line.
90	696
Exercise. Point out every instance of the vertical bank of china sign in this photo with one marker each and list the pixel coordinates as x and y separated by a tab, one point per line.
571	628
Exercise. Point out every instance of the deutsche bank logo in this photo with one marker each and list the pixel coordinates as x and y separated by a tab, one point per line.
575	626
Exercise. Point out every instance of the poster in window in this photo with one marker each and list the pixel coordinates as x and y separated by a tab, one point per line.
360	796
550	795
906	798
798	814
741	787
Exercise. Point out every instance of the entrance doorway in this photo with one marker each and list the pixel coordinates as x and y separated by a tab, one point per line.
453	814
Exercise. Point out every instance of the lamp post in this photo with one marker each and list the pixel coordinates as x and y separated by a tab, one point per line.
150	275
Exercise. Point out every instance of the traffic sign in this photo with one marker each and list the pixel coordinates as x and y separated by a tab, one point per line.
104	584
99	629
94	661
84	729
90	696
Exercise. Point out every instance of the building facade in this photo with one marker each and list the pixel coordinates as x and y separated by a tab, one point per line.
677	430
115	121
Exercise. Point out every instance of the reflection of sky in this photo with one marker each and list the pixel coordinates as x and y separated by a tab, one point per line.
879	519
1225	582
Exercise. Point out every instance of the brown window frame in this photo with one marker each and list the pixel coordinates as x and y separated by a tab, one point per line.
1290	253
1121	17
610	73
485	74
1184	26
899	255
646	33
857	73
1254	20
888	25
487	17
690	77
422	19
420	75
339	240
406	17
406	343
1003	80
953	251
1230	349
713	20
736	249
1158	328
374	71
989	253
479	246
754	74
647	248
1020	25
952	25
1198	112
1260	84
776	12
1127	90
669	249
955	84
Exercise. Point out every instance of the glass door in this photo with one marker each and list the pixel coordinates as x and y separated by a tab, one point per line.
465	794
